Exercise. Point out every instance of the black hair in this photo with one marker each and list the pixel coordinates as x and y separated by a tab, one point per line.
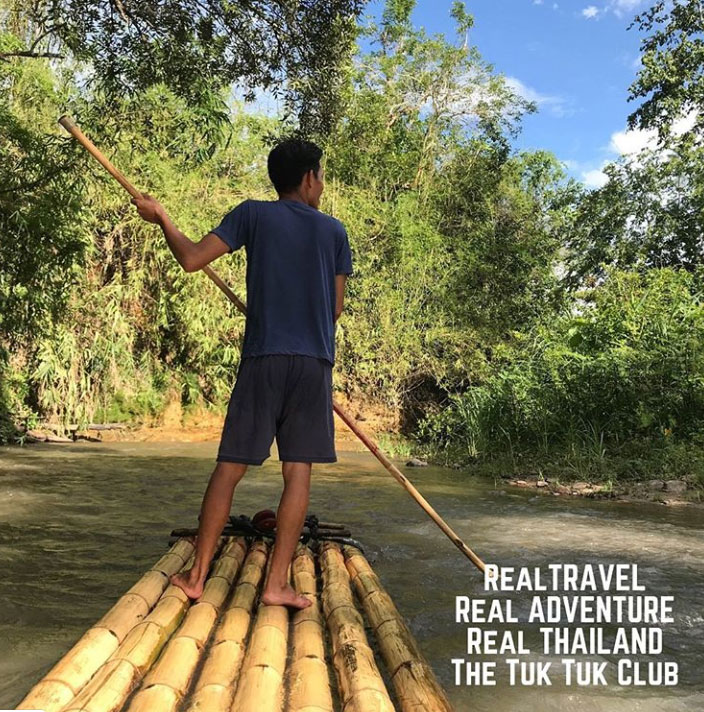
290	160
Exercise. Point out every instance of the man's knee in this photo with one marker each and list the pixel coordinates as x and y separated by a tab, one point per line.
296	471
230	470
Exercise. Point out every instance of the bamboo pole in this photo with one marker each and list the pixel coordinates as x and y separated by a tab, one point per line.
167	682
215	687
360	683
409	487
73	671
413	679
261	681
70	125
307	675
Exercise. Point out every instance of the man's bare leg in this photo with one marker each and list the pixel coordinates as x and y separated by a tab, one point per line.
214	513
289	522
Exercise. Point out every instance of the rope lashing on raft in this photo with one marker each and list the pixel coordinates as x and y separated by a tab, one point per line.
313	530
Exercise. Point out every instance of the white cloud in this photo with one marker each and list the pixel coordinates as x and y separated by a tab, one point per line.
620	8
556	105
624	143
686	123
630	142
596	178
537	2
591	174
627	142
625	7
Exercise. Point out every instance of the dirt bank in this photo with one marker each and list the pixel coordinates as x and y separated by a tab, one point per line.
376	420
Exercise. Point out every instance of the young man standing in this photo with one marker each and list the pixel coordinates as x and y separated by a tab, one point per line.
298	259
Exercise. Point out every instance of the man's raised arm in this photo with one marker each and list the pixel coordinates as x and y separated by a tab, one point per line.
192	256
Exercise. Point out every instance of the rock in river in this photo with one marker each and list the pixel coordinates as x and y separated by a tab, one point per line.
676	486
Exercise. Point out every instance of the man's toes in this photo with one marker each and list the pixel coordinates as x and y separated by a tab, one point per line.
302	602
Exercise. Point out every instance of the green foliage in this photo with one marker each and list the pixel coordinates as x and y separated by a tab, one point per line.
502	220
412	101
629	367
198	48
128	327
93	304
7	421
648	214
431	116
671	79
41	236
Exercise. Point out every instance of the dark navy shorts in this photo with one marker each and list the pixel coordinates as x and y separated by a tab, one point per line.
284	396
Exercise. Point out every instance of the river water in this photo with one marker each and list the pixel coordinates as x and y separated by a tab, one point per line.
80	523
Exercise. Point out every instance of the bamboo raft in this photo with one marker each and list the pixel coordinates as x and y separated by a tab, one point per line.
156	650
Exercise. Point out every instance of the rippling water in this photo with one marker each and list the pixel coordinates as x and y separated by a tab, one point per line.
80	523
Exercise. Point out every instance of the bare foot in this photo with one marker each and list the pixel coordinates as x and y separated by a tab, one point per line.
190	585
284	597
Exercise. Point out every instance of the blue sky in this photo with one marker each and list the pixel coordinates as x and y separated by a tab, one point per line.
575	59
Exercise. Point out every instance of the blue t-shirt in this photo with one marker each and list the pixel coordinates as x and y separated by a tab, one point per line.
293	254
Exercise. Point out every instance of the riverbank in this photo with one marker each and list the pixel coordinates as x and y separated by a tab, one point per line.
668	492
669	476
204	425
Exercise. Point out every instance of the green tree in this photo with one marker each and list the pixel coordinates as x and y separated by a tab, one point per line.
198	47
628	368
455	239
41	190
650	213
503	222
671	80
410	101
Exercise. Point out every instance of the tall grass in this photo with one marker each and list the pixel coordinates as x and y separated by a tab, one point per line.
628	369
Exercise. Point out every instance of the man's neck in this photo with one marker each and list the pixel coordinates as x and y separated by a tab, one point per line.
293	196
